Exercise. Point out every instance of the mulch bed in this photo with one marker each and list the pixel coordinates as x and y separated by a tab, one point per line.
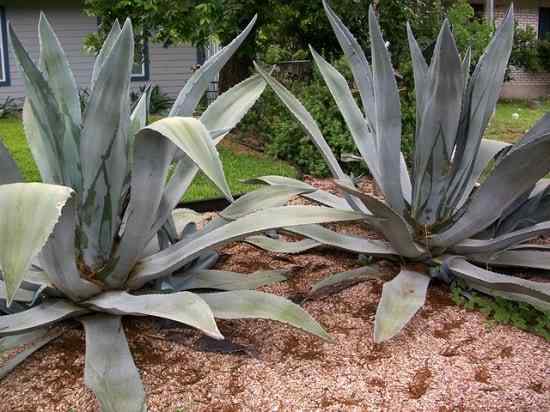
447	359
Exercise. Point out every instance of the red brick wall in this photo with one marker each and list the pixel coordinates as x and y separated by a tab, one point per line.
524	84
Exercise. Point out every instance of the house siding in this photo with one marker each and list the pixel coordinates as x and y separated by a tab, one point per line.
169	67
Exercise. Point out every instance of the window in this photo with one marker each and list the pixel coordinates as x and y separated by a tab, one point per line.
544	23
140	71
4	64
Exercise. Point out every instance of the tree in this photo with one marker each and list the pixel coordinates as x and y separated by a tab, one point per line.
284	28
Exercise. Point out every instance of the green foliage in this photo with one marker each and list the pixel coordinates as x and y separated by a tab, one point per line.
9	108
499	310
283	138
525	51
159	102
469	31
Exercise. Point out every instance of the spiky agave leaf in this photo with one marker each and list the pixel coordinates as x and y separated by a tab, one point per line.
448	212
29	214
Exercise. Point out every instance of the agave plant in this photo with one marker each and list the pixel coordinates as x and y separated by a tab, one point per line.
438	220
117	231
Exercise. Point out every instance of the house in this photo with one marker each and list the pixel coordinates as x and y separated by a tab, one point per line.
535	13
167	67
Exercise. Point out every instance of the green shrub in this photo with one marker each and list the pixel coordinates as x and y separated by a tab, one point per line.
499	310
282	137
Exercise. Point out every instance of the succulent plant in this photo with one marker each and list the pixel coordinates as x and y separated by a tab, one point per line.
468	204
112	184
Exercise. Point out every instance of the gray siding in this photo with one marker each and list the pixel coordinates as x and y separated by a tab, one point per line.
169	67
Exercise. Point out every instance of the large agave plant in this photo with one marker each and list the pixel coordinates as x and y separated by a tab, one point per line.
117	230
438	217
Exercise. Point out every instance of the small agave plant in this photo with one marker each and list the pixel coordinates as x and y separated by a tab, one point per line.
118	183
438	220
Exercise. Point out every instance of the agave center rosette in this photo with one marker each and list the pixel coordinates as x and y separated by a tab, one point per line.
467	201
102	239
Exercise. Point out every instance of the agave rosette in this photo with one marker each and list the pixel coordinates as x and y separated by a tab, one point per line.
114	183
442	213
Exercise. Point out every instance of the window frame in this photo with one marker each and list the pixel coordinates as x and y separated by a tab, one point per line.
144	76
5	80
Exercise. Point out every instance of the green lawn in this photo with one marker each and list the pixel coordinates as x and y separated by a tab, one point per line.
238	164
504	127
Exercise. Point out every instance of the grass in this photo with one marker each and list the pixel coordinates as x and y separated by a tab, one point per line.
504	127
238	164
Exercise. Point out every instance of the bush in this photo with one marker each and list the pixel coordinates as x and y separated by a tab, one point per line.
283	137
159	102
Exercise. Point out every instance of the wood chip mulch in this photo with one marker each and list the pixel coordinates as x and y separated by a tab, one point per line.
447	359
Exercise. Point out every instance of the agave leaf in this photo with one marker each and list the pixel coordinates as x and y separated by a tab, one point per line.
319	196
179	254
523	290
180	180
39	140
12	342
110	371
343	280
190	135
138	120
42	118
466	61
357	60
401	298
105	51
282	246
35	280
195	87
533	259
184	307
542	127
60	76
420	73
36	345
480	101
58	257
512	177
437	131
357	125
229	108
152	156
219	118
29	213
370	247
477	246
488	150
306	120
21	294
388	117
183	218
55	67
103	150
535	209
9	172
39	316
394	227
269	196
223	280
250	304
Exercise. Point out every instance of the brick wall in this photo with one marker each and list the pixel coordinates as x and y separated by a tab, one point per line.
524	84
